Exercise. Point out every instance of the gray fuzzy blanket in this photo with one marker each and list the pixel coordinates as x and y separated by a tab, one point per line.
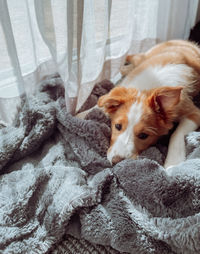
55	180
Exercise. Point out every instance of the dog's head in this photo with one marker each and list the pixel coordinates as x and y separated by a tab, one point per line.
138	118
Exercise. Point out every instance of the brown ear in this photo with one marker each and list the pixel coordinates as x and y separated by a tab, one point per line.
113	99
165	98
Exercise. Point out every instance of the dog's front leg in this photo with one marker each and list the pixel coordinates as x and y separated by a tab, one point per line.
176	150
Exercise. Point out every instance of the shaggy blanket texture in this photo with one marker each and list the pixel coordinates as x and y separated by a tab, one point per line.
55	180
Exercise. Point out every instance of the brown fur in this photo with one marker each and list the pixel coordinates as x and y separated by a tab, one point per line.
161	106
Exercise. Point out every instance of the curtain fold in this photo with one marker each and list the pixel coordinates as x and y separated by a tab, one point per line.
83	40
175	18
10	43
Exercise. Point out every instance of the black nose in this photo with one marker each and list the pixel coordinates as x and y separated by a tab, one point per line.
116	159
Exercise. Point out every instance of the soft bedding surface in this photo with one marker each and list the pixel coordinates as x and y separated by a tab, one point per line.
55	180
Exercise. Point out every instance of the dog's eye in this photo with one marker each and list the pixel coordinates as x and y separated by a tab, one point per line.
143	135
118	126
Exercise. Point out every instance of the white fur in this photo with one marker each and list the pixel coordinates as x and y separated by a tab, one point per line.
176	150
124	145
171	75
157	76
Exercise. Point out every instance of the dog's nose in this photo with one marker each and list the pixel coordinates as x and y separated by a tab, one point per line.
116	159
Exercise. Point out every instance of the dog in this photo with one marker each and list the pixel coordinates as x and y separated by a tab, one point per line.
157	91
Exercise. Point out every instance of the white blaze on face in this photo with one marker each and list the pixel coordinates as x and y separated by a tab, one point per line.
124	144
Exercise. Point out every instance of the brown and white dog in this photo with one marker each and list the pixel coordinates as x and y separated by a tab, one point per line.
156	92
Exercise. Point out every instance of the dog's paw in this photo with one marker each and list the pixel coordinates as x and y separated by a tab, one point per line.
125	69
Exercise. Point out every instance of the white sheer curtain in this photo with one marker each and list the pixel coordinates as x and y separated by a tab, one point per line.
84	40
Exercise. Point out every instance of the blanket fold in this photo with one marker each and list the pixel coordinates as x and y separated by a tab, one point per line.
55	179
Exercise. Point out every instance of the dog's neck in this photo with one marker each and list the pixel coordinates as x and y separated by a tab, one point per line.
171	75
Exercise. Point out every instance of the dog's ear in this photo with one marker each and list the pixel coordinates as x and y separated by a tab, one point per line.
165	98
114	99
